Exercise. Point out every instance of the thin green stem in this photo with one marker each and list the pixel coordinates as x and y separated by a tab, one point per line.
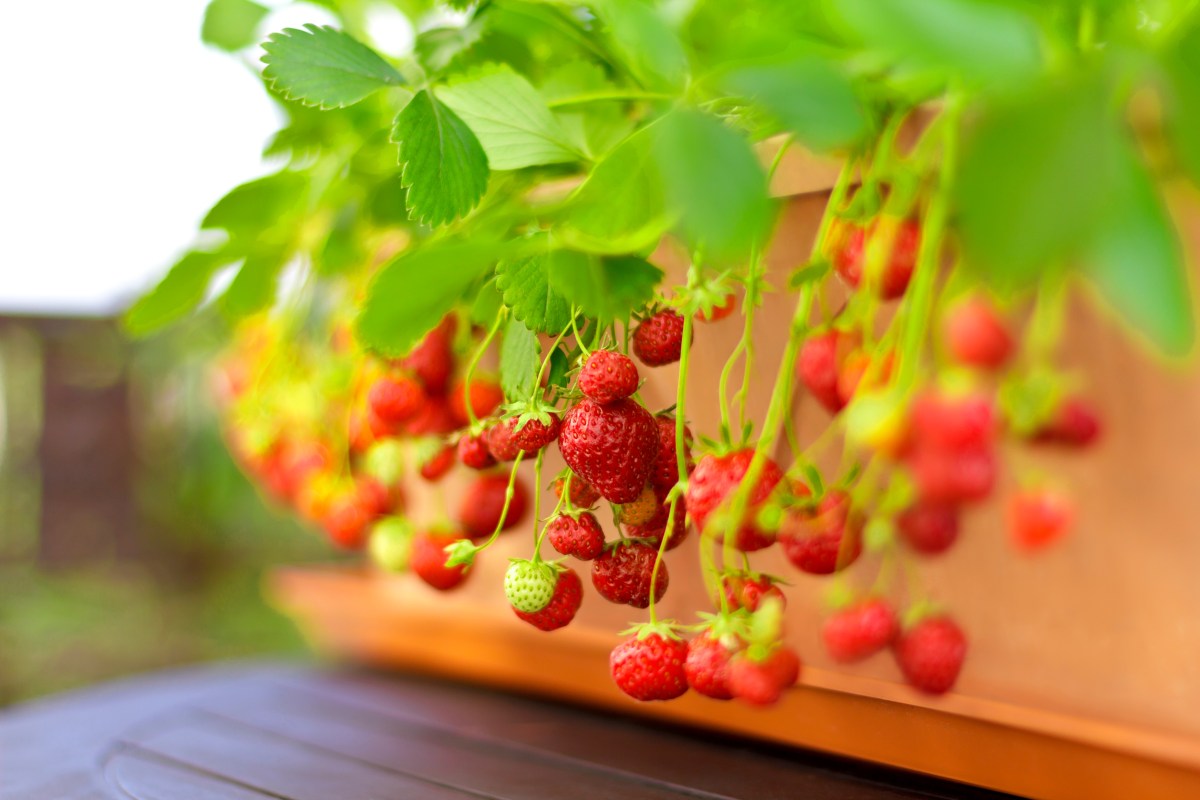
537	503
508	496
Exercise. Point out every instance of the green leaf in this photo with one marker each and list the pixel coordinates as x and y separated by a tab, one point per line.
180	291
560	368
436	48
714	180
971	40
487	304
510	118
232	24
254	287
810	96
445	169
1033	182
621	206
519	360
525	284
593	127
259	204
609	289
1137	264
405	301
323	67
1182	63
648	46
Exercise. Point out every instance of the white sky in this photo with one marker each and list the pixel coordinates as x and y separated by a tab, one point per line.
118	129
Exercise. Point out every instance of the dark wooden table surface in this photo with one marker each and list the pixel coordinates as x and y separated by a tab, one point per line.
249	732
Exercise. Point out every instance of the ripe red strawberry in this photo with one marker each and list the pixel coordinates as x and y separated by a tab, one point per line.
953	476
762	683
722	311
568	596
483	502
666	464
1038	517
582	537
534	434
952	423
375	497
744	590
655	528
382	429
1075	423
436	466
486	397
975	335
931	654
359	437
607	376
395	398
640	510
850	259
814	539
612	447
346	521
712	487
583	494
651	668
473	451
658	339
434	419
819	366
860	631
928	527
622	575
707	667
428	560
432	360
500	440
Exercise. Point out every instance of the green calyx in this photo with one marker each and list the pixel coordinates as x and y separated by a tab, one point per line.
666	628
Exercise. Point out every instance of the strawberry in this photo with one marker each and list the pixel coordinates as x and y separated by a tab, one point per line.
712	486
346	521
727	307
608	376
655	528
1038	517
581	537
432	360
529	585
650	668
390	544
762	682
928	527
658	339
375	497
819	366
565	602
300	459
950	477
436	466
612	447
583	494
473	451
748	591
1075	423
380	428
860	631
854	368
850	258
428	560
434	419
483	502
975	335
666	464
944	422
534	434
486	397
931	654
395	398
500	440
359	436
622	575
640	510
814	540
707	666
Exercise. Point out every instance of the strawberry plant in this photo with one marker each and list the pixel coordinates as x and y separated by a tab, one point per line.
474	235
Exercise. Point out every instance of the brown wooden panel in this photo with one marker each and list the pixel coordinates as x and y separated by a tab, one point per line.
142	776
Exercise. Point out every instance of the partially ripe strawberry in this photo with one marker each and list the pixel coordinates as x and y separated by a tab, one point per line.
744	590
712	487
929	528
707	667
651	668
607	376
395	398
581	537
640	510
436	466
622	575
390	543
1037	518
654	529
658	339
666	464
583	494
473	451
568	596
432	361
1075	423
500	440
528	585
850	260
612	447
486	397
534	434
722	311
428	560
482	504
854	368
860	631
931	653
975	335
762	683
823	540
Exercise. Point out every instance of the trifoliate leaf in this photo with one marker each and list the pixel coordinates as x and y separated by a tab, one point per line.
445	169
180	291
519	360
609	289
232	24
324	67
525	284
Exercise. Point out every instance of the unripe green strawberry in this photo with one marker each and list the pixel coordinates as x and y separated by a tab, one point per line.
390	544
529	586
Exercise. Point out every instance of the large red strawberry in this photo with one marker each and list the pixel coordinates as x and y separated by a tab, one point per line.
580	536
860	631
1038	517
473	451
623	574
658	339
712	486
486	397
761	682
931	654
666	464
395	398
1075	423
975	334
612	446
482	504
928	527
707	666
850	260
650	668
825	539
608	376
428	560
568	596
432	360
534	434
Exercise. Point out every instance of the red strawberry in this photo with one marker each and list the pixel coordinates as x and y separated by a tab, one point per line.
486	397
813	539
582	537
656	527
346	521
500	440
395	398
819	366
854	367
851	256
583	494
473	451
428	560
975	334
359	436
762	683
727	307
929	528
1038	517
432	360
612	446
744	590
568	596
931	654
712	486
434	419
382	429
483	502
1075	423
666	464
535	434
375	497
640	510
953	476
437	465
622	575
607	376
707	667
651	668
860	631
658	339
952	423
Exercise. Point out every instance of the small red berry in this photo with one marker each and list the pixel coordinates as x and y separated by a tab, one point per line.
1039	517
727	307
486	397
666	464
762	683
568	596
395	399
534	434
850	259
1075	424
931	654
482	504
500	440
658	339
707	667
607	376
975	334
953	476
473	451
952	423
583	494
622	575
582	537
651	668
743	590
712	486
860	631
436	466
929	528
655	528
428	560
819	366
823	540
432	360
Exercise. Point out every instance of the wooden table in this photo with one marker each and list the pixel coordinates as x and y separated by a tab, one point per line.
290	732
